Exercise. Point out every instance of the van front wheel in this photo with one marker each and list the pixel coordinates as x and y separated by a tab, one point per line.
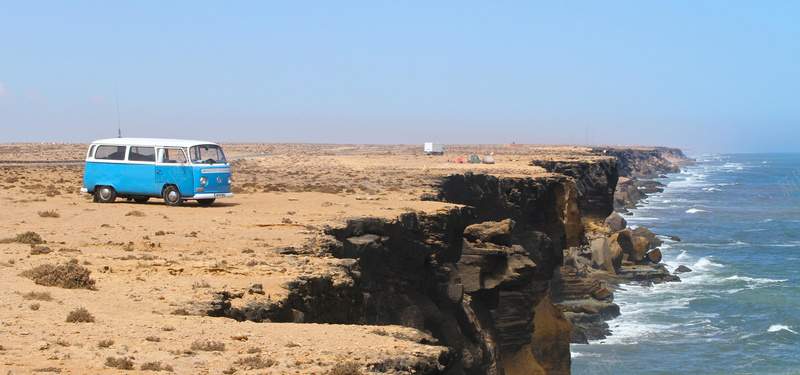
172	196
205	202
105	194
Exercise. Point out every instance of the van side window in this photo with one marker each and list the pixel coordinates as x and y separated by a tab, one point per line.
173	155
142	154
110	152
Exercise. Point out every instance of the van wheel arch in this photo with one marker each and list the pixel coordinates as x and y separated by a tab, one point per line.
172	196
104	194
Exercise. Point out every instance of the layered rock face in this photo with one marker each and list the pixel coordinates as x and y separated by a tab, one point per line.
596	181
475	276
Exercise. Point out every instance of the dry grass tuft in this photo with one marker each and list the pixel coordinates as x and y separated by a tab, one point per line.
208	346
38	296
155	366
49	213
80	315
69	276
34	306
346	368
255	362
105	343
120	363
135	213
57	370
153	338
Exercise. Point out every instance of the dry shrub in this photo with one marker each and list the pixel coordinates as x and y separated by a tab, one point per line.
30	238
153	338
80	315
346	368
69	276
49	213
255	362
57	370
135	213
39	250
180	311
120	363
105	343
155	366
34	306
39	296
208	346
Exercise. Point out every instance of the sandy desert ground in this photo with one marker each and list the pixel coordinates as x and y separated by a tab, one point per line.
151	262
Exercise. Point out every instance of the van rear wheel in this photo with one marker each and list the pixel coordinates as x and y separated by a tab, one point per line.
205	202
105	194
172	196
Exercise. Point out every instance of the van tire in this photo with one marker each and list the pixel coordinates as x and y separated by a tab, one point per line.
141	199
105	194
172	196
205	202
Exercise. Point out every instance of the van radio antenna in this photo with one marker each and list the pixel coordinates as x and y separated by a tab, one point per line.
119	126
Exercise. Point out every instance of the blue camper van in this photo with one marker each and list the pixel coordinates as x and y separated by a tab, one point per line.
141	168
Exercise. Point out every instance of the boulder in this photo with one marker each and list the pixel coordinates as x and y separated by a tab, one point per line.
616	222
616	254
491	231
682	269
652	240
601	254
640	247
654	255
601	294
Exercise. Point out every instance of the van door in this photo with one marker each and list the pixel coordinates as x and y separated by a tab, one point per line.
172	167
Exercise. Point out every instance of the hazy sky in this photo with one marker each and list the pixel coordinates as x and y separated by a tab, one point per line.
717	76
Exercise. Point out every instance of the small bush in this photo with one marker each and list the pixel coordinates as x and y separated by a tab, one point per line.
168	328
135	213
208	346
255	362
80	315
69	276
346	368
156	366
48	369
180	311
121	363
49	213
38	250
30	238
201	284
39	296
105	343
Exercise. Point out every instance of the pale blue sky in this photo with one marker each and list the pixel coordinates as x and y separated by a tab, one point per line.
715	76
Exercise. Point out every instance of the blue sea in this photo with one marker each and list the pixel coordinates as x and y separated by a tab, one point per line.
738	311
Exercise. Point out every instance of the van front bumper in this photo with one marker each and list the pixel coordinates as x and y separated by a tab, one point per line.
211	196
84	190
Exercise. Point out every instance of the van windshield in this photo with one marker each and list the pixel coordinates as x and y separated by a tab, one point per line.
207	154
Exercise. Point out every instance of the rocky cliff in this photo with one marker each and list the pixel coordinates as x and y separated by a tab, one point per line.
479	277
475	276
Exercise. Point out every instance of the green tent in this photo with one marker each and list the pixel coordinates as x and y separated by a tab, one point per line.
474	159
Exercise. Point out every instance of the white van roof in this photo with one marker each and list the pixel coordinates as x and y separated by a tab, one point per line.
151	142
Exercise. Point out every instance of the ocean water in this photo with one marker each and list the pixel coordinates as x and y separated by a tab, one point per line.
738	312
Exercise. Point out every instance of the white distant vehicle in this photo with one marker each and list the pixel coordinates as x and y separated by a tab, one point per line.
432	148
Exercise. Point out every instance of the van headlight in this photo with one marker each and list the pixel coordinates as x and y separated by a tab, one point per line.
230	180
203	180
